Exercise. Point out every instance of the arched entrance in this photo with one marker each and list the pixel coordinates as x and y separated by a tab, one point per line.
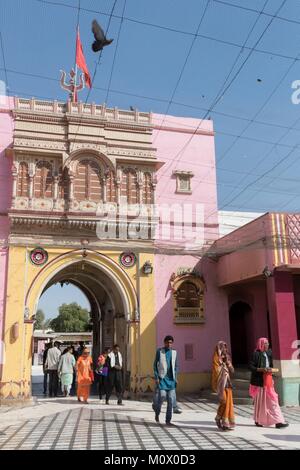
110	293
107	310
239	319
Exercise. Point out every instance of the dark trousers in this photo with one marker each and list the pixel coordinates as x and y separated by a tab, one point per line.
53	382
115	380
45	381
73	388
103	385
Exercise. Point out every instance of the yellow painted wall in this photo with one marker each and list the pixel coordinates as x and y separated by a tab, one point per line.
193	382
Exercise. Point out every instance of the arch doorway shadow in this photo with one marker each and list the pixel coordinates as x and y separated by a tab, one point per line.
240	317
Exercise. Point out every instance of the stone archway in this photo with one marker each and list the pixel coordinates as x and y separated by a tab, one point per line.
107	308
109	290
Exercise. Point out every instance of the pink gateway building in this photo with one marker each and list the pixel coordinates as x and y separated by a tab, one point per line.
205	288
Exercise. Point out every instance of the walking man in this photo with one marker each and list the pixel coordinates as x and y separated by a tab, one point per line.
51	365
115	379
45	371
165	372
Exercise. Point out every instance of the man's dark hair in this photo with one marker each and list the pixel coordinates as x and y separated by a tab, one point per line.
56	344
116	346
169	338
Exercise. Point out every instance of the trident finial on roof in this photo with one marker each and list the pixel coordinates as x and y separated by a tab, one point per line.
72	87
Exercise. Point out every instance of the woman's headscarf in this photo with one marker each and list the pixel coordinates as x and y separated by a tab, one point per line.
260	345
268	380
220	371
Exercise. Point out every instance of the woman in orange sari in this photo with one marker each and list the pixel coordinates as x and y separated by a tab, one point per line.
221	384
85	375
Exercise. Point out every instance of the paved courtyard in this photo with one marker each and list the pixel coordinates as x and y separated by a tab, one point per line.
63	423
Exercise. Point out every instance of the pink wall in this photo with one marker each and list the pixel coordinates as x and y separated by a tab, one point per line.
169	137
248	254
6	135
282	314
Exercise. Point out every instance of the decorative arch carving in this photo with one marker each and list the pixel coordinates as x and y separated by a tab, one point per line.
103	161
23	180
188	298
129	186
87	181
111	187
43	180
147	188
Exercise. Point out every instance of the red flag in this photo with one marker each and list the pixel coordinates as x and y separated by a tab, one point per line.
80	61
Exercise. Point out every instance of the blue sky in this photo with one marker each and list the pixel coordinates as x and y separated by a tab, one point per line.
259	169
57	295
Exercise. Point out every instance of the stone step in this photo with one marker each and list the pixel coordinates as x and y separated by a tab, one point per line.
241	393
243	374
238	400
240	384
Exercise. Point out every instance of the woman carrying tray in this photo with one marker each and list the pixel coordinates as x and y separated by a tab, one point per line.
267	411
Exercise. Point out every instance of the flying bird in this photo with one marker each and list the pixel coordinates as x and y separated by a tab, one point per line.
100	38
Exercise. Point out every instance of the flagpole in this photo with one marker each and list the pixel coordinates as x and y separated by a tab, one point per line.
75	68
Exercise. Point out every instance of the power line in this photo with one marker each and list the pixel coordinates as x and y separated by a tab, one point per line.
178	31
256	114
183	67
275	144
115	54
240	7
150	98
219	96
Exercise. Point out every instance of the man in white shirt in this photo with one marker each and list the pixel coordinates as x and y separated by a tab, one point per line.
52	361
115	374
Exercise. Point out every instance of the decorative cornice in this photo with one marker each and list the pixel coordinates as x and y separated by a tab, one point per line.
183	173
39	143
81	112
180	130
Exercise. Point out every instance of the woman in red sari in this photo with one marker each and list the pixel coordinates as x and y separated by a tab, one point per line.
85	375
221	370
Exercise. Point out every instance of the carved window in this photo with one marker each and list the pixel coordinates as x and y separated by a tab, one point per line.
183	181
187	295
188	298
147	189
111	193
129	187
43	180
87	183
23	180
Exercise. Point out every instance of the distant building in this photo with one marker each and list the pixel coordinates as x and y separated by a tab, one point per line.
41	337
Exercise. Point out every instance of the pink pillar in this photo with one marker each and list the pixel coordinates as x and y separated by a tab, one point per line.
282	314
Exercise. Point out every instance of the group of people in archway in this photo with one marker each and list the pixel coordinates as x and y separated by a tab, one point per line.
75	367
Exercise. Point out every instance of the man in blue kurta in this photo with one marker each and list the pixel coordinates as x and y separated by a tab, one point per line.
165	372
